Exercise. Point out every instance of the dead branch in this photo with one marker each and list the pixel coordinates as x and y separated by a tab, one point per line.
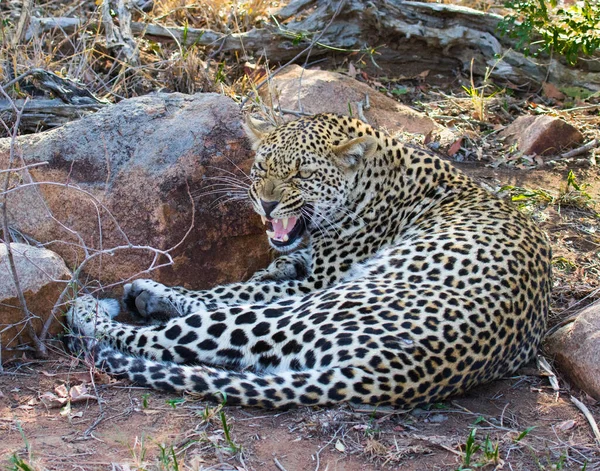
45	113
588	415
120	36
40	347
447	37
581	150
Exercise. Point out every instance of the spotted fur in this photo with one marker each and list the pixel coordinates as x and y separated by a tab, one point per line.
415	284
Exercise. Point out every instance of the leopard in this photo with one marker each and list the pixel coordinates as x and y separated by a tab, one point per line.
401	281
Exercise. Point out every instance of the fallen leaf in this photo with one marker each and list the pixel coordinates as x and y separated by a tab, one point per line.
254	72
551	91
566	425
428	138
454	148
66	410
339	446
80	393
352	72
61	390
52	401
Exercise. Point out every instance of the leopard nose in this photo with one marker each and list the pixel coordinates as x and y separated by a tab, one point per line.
268	206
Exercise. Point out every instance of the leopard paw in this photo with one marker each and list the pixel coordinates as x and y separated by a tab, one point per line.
151	300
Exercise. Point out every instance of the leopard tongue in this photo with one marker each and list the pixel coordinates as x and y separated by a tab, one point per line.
282	227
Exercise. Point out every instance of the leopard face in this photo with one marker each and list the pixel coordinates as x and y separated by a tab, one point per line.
302	177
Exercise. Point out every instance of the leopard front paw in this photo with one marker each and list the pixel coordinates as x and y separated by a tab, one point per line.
151	300
279	271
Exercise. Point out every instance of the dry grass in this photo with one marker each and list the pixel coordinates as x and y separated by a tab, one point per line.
165	65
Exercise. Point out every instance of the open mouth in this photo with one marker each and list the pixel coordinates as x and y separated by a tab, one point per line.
284	232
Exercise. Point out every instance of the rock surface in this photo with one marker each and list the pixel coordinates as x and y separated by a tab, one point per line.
43	276
541	135
135	160
575	348
320	91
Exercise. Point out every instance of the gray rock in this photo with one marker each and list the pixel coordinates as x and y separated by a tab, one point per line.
43	276
575	348
137	159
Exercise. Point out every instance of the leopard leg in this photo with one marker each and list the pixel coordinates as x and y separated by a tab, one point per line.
292	266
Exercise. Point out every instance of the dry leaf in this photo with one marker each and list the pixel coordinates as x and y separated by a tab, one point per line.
61	390
51	400
80	393
254	72
352	72
551	91
339	446
454	148
566	425
66	410
428	138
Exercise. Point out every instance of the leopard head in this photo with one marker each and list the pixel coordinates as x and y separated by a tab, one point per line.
303	174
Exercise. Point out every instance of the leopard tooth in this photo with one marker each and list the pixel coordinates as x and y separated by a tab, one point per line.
270	234
285	238
285	222
264	220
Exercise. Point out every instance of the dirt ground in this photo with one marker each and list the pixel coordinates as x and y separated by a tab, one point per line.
59	415
518	423
126	427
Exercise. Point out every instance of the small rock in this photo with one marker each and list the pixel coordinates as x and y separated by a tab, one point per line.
39	272
542	135
575	348
320	91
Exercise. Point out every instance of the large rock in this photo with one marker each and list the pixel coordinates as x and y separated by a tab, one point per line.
576	350
320	91
125	173
541	135
40	272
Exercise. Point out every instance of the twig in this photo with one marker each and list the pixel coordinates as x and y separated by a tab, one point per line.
581	150
278	464
544	365
588	415
24	18
325	446
18	169
40	348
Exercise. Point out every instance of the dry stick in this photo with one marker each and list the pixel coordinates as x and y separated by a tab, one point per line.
295	58
278	464
581	150
25	167
40	348
23	22
588	415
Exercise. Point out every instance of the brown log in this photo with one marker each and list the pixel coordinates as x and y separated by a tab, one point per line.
40	114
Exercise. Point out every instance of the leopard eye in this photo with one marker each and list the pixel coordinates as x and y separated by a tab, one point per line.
259	168
304	174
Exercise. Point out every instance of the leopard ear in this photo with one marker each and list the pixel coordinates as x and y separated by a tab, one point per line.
351	152
256	130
